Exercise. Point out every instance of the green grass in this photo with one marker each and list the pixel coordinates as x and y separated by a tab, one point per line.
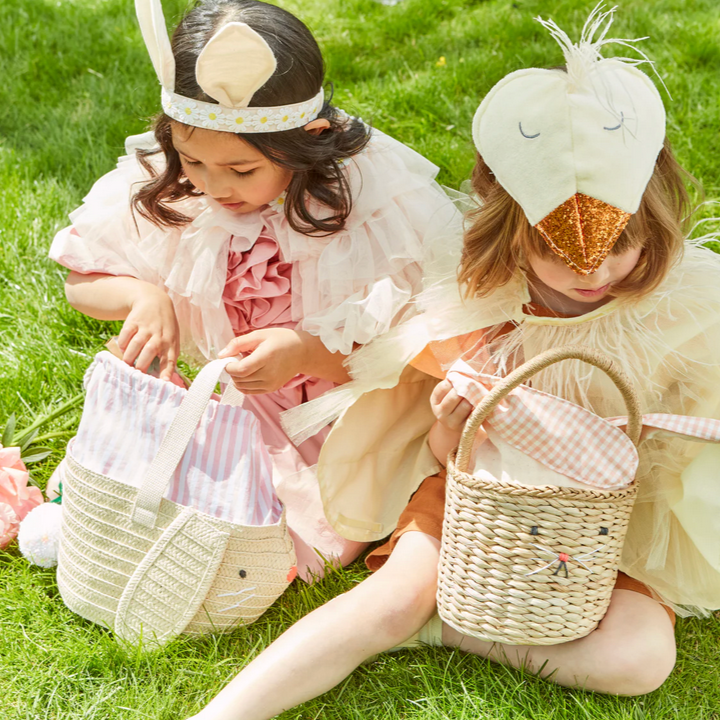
75	81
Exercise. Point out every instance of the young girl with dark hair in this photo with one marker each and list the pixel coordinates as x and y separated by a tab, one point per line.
579	238
257	220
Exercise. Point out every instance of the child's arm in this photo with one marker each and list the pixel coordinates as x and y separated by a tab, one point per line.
276	355
451	412
150	329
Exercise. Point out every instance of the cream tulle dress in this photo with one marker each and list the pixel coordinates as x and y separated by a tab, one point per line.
668	341
228	274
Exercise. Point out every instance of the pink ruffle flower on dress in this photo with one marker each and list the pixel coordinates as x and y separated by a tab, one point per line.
257	295
17	498
257	289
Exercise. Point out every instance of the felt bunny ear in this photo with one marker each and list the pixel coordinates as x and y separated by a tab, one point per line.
235	63
155	34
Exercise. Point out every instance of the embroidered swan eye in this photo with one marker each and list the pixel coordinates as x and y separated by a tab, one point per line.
534	530
604	531
243	574
525	135
619	125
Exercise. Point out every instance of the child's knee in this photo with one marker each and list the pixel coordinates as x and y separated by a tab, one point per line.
643	667
639	644
395	610
637	661
406	615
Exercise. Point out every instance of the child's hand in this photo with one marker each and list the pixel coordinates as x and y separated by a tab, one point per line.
451	412
151	330
448	407
273	357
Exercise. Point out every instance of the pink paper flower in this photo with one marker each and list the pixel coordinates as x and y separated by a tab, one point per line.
9	525
17	498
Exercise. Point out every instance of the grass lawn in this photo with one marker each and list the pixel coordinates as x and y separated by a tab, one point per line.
76	80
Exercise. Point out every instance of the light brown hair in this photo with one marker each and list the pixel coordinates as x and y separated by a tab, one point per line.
500	239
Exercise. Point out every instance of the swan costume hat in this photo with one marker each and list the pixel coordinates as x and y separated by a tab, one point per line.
232	67
575	149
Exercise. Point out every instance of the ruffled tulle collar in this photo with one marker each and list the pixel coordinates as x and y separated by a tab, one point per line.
199	265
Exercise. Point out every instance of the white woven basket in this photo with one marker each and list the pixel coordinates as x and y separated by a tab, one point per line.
149	568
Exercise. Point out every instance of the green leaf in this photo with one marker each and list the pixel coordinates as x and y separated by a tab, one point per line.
58	412
34	482
28	439
9	431
39	449
37	457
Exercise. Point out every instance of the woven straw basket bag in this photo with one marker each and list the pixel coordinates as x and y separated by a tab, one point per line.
492	584
150	568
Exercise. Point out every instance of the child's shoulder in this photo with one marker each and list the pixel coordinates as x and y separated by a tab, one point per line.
693	281
390	162
389	177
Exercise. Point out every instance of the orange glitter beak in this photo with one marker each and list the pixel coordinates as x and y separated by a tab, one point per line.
582	231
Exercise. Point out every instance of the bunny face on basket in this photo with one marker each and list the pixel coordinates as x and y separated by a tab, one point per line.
557	563
246	594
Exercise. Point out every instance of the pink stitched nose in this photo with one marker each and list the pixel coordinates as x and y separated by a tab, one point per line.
563	557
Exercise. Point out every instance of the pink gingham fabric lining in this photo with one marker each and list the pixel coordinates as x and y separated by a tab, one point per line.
559	434
226	470
686	426
568	439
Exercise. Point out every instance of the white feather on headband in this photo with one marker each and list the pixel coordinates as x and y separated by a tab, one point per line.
580	57
234	64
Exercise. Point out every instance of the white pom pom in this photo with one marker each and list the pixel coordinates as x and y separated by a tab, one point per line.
39	535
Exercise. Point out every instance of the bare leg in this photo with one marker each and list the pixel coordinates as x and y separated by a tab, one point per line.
324	647
631	653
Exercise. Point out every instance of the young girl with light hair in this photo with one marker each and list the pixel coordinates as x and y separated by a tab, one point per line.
258	220
579	238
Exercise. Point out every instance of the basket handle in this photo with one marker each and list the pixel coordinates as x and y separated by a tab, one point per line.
530	368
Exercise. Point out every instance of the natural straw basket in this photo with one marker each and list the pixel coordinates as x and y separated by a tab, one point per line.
485	588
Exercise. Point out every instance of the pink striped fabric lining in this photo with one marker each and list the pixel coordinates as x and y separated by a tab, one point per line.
226	470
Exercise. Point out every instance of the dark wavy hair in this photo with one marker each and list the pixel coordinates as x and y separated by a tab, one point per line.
314	160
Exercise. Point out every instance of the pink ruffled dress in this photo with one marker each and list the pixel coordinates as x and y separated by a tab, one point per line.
258	295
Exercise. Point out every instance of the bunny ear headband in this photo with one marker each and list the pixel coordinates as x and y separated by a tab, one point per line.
575	149
235	63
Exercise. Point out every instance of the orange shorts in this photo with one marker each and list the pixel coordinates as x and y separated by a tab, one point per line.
424	513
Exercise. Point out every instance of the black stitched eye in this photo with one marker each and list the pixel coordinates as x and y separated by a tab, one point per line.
525	135
243	573
603	531
534	530
619	125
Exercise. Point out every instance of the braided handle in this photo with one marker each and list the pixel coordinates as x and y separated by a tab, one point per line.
530	368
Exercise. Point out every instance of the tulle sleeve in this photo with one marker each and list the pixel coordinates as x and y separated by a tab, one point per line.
106	237
356	284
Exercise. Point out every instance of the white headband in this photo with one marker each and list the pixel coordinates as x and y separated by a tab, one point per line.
218	72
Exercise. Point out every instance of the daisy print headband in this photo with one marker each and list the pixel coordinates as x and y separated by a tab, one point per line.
233	66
